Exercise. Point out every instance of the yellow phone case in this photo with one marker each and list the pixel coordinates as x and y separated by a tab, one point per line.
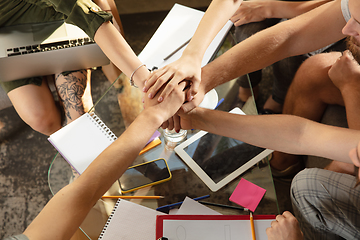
150	184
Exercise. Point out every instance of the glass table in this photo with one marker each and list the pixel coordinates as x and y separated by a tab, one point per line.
184	181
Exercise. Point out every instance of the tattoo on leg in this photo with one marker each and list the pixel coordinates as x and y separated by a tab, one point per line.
71	88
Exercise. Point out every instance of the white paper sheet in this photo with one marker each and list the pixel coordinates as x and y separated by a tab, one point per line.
131	221
192	207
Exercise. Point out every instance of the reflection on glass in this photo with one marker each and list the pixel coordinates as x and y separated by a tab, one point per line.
219	156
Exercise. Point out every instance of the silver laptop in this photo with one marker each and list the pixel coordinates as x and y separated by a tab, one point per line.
46	48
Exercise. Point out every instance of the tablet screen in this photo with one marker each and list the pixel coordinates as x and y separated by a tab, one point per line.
219	156
216	159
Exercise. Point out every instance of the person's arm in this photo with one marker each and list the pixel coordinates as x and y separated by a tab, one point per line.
64	213
96	23
345	74
293	9
255	11
285	227
189	65
285	133
120	53
305	33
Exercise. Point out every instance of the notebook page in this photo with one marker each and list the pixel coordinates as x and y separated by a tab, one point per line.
215	229
131	221
81	141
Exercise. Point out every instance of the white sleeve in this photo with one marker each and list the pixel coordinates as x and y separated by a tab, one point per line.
345	9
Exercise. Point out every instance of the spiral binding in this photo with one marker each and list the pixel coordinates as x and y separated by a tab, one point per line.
102	126
109	219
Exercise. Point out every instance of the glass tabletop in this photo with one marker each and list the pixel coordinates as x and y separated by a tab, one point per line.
184	181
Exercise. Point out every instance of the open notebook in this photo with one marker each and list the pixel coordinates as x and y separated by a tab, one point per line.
212	227
82	140
129	221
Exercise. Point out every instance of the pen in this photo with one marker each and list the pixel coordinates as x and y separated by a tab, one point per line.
134	197
176	50
166	208
223	205
221	100
252	226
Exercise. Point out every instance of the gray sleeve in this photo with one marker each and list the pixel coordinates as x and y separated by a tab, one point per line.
345	9
17	237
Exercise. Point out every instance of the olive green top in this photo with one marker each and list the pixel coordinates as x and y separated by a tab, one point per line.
83	13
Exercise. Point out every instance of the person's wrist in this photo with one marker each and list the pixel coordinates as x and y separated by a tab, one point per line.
206	85
267	9
196	116
140	76
349	89
191	55
153	116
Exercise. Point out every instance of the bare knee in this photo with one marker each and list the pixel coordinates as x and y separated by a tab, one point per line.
312	89
43	122
312	76
36	107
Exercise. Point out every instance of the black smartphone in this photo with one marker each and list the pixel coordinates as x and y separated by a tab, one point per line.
144	174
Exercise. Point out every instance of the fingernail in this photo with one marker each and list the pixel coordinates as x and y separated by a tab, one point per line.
191	98
150	95
144	89
160	99
143	100
177	131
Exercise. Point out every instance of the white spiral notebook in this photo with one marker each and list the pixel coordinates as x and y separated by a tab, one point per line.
130	221
82	140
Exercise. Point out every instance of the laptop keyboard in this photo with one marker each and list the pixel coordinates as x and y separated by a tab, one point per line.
48	46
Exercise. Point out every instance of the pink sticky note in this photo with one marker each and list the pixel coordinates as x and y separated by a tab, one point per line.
247	195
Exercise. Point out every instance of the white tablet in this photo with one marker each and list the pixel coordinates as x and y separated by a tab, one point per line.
217	160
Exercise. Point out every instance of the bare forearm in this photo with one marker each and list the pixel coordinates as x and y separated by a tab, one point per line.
248	56
68	208
257	130
118	156
284	9
303	34
66	211
119	52
284	133
352	100
217	14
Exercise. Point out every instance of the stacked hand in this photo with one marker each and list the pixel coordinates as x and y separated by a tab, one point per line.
171	104
165	80
171	75
249	12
